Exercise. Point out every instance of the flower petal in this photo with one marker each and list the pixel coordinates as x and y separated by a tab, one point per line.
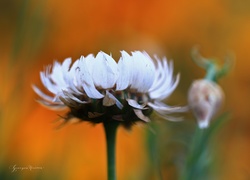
106	71
47	83
66	63
41	94
70	78
140	115
164	110
85	80
125	65
69	102
135	104
72	97
51	106
143	71
159	106
57	74
164	84
110	100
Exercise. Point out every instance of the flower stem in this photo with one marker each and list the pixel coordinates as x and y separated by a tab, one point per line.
110	128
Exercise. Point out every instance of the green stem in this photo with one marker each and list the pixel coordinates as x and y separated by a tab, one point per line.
153	152
211	72
193	160
110	128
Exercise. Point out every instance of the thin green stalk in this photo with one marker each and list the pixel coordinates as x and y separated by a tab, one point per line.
110	128
153	152
211	72
198	165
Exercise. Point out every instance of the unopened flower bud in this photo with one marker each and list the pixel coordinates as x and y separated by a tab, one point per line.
205	98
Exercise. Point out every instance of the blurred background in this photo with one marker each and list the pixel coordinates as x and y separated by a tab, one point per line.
34	33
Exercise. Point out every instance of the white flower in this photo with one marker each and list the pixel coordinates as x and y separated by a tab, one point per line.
205	98
99	88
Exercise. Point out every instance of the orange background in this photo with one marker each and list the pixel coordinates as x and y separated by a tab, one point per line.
34	33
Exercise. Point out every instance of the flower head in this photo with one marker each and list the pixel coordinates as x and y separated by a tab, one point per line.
205	98
97	88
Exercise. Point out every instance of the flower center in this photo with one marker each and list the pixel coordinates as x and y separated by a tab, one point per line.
95	111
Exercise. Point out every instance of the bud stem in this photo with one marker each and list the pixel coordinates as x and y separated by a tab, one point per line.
211	72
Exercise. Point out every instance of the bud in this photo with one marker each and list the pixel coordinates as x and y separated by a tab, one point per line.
205	98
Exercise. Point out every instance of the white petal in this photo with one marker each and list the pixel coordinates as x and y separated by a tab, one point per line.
92	92
73	68
161	107
57	107
124	68
84	79
72	97
66	63
170	118
106	72
135	104
164	110
143	72
140	115
59	78
160	76
165	90
57	74
48	84
69	102
70	79
41	94
164	84
110	100
90	63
